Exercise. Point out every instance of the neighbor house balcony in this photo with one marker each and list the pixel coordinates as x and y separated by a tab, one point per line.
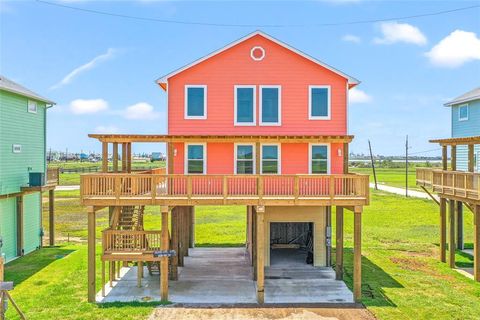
451	184
123	189
50	182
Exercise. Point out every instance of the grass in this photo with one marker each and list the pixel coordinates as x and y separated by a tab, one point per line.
402	277
394	177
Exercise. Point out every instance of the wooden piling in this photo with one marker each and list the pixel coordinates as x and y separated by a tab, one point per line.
339	244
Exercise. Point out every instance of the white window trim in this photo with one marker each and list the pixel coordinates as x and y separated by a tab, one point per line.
468	112
329	102
279	160
271	124
28	106
185	156
235	145
186	116
245	124
310	146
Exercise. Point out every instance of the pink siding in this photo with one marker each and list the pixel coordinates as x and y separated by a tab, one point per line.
295	158
220	158
279	67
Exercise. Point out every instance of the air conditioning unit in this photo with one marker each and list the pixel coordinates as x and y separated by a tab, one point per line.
36	179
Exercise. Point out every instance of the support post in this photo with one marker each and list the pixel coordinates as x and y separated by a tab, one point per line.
115	157
20	233
129	157
170	157
257	158
51	217
476	244
460	242
2	269
104	156
139	273
346	156
444	158
357	254
174	242
328	235
453	157
260	254
451	234
339	245
103	278
91	254
192	227
471	157
164	261
443	229
124	157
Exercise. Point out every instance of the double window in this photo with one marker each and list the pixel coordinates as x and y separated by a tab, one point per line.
244	159
195	102
319	102
270	156
463	112
319	159
195	158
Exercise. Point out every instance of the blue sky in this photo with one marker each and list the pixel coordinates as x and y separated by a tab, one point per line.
101	69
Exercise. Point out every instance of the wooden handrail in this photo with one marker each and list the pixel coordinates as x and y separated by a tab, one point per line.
456	183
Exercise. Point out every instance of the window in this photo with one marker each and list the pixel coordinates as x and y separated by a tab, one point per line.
319	103
244	105
32	106
195	102
463	112
195	155
319	158
270	159
244	159
270	105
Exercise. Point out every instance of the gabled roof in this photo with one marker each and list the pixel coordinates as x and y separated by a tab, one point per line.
10	86
466	97
351	80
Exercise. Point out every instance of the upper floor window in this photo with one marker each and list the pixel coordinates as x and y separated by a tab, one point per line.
270	159
244	105
32	106
319	103
195	102
196	162
319	158
244	159
463	112
270	105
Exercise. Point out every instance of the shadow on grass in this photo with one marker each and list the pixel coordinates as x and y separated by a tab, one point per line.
374	280
466	262
219	245
24	267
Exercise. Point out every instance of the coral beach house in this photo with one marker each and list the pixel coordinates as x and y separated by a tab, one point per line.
259	124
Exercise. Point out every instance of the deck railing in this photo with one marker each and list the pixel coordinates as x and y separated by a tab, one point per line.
455	183
128	241
155	186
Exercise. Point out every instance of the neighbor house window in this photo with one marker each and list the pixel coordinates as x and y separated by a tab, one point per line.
32	106
463	112
319	161
195	155
319	102
270	159
244	105
195	102
270	105
244	159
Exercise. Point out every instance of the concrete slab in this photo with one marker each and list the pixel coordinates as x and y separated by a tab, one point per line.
223	276
468	251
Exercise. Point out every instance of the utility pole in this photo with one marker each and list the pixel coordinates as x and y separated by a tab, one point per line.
406	167
373	164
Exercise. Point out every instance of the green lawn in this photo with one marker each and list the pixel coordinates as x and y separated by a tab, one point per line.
394	177
402	277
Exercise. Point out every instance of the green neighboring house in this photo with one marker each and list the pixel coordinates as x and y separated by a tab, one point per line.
23	117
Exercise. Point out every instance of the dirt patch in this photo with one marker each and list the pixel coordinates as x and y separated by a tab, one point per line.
409	264
173	313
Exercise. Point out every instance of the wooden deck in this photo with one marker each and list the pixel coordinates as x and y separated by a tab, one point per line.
459	185
115	189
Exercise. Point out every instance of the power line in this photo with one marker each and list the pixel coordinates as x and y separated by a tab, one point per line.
211	24
425	151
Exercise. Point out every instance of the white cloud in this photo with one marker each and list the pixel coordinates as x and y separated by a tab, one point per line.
454	50
82	106
393	32
85	67
358	96
107	129
351	38
140	111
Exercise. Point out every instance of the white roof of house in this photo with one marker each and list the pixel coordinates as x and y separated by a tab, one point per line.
466	97
351	80
9	85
